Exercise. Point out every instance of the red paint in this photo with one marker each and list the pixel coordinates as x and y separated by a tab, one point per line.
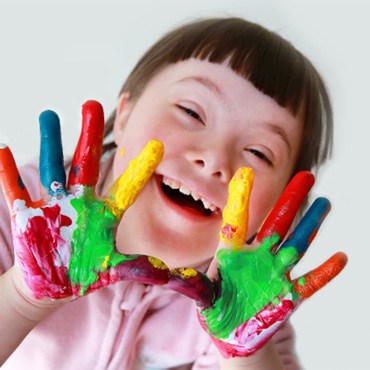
10	179
282	215
228	231
252	328
37	253
85	163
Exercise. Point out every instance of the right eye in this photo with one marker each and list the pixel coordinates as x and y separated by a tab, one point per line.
190	112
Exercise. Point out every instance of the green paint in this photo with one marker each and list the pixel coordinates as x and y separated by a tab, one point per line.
301	281
250	279
92	242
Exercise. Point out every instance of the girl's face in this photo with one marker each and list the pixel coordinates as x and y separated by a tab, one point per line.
211	122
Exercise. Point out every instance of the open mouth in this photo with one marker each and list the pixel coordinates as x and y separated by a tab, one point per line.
184	197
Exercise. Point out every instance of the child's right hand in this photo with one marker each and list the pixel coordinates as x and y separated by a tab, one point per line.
64	243
248	292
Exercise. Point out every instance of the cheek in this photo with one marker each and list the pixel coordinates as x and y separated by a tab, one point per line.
261	204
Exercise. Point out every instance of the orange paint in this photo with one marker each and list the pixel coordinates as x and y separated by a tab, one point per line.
317	278
10	179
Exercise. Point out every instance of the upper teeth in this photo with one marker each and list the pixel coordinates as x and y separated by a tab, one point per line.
183	189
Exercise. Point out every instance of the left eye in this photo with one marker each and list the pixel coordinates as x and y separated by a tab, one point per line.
191	113
261	156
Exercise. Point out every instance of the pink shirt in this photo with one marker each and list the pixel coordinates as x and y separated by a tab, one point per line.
125	326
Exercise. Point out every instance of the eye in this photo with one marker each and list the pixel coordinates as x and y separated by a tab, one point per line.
190	112
260	155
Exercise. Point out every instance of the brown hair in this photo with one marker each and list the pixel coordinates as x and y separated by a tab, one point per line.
263	57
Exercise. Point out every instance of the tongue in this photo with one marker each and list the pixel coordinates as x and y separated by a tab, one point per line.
186	201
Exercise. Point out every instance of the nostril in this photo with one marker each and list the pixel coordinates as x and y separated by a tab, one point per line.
200	162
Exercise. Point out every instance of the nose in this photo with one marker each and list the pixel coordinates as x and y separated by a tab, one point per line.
215	162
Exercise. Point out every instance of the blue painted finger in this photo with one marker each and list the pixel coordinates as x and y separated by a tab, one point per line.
307	229
52	174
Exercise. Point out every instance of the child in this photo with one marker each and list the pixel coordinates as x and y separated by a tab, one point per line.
220	94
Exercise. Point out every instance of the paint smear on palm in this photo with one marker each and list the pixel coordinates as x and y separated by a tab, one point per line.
127	188
235	214
250	280
92	242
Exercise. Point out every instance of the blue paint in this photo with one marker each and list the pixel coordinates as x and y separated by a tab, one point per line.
308	226
51	153
21	183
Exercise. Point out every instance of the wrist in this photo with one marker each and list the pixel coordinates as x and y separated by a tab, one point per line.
23	302
265	358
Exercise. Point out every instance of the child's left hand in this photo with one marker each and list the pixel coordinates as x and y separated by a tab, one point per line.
248	293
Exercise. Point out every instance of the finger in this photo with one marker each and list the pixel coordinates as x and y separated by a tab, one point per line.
235	214
310	283
234	226
306	230
85	163
139	268
10	179
52	174
194	285
128	186
282	215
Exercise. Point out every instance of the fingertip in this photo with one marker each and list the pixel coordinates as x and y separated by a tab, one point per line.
93	107
49	117
306	177
156	147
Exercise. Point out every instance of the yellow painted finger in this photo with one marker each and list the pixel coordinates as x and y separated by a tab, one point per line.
128	186
235	214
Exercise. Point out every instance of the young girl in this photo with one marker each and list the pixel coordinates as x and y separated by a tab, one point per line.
220	94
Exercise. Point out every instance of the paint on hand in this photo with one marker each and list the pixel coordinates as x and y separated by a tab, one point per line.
127	188
250	280
92	242
235	214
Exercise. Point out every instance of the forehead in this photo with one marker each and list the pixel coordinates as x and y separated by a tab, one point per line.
221	82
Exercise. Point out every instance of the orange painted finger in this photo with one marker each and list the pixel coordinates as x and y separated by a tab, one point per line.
313	281
10	178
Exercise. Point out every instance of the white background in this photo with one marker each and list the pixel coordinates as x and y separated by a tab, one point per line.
57	54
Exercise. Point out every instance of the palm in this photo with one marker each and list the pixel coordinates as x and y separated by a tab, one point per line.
249	292
64	243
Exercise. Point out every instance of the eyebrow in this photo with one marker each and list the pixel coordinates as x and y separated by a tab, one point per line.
206	82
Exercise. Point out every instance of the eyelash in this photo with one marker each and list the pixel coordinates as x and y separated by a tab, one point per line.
191	113
260	156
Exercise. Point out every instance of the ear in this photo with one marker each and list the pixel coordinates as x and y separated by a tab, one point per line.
122	114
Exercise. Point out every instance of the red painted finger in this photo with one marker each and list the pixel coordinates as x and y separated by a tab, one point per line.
282	215
85	163
10	178
311	282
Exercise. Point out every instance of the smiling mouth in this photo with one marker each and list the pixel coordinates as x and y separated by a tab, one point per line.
184	197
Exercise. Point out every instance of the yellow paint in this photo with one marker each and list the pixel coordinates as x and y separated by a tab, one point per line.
122	152
235	214
157	263
128	186
187	273
105	263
